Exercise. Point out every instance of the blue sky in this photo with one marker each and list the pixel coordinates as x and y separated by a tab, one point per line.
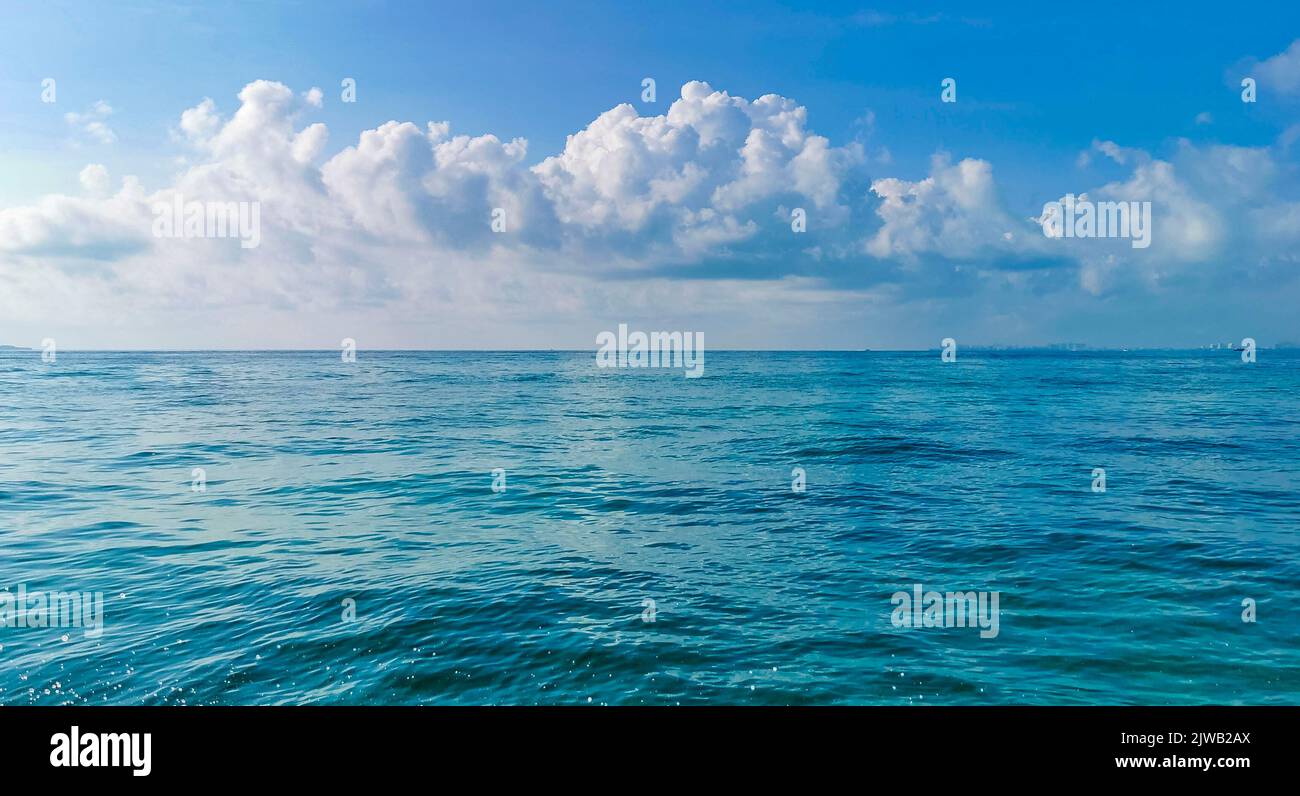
1041	89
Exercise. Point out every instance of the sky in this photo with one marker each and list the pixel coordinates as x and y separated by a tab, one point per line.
921	218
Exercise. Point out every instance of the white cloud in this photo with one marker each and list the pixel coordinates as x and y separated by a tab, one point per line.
91	124
94	179
710	151
394	229
201	122
954	213
1215	210
1281	72
77	229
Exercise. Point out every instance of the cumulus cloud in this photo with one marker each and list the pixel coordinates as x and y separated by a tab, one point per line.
201	122
399	222
1216	211
955	213
698	170
94	179
67	230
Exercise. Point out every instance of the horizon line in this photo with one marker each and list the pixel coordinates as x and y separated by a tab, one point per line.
1056	349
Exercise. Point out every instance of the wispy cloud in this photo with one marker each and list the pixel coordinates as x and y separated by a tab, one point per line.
871	18
92	124
1281	72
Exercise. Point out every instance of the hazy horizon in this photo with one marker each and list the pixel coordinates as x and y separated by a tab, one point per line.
1059	348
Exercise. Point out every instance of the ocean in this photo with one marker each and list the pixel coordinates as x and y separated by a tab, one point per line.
527	528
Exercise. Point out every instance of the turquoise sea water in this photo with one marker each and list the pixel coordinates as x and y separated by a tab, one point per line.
372	481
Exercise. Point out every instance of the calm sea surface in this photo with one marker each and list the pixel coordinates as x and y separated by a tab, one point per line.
372	482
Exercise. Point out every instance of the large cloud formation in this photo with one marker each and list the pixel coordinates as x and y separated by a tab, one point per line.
660	217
